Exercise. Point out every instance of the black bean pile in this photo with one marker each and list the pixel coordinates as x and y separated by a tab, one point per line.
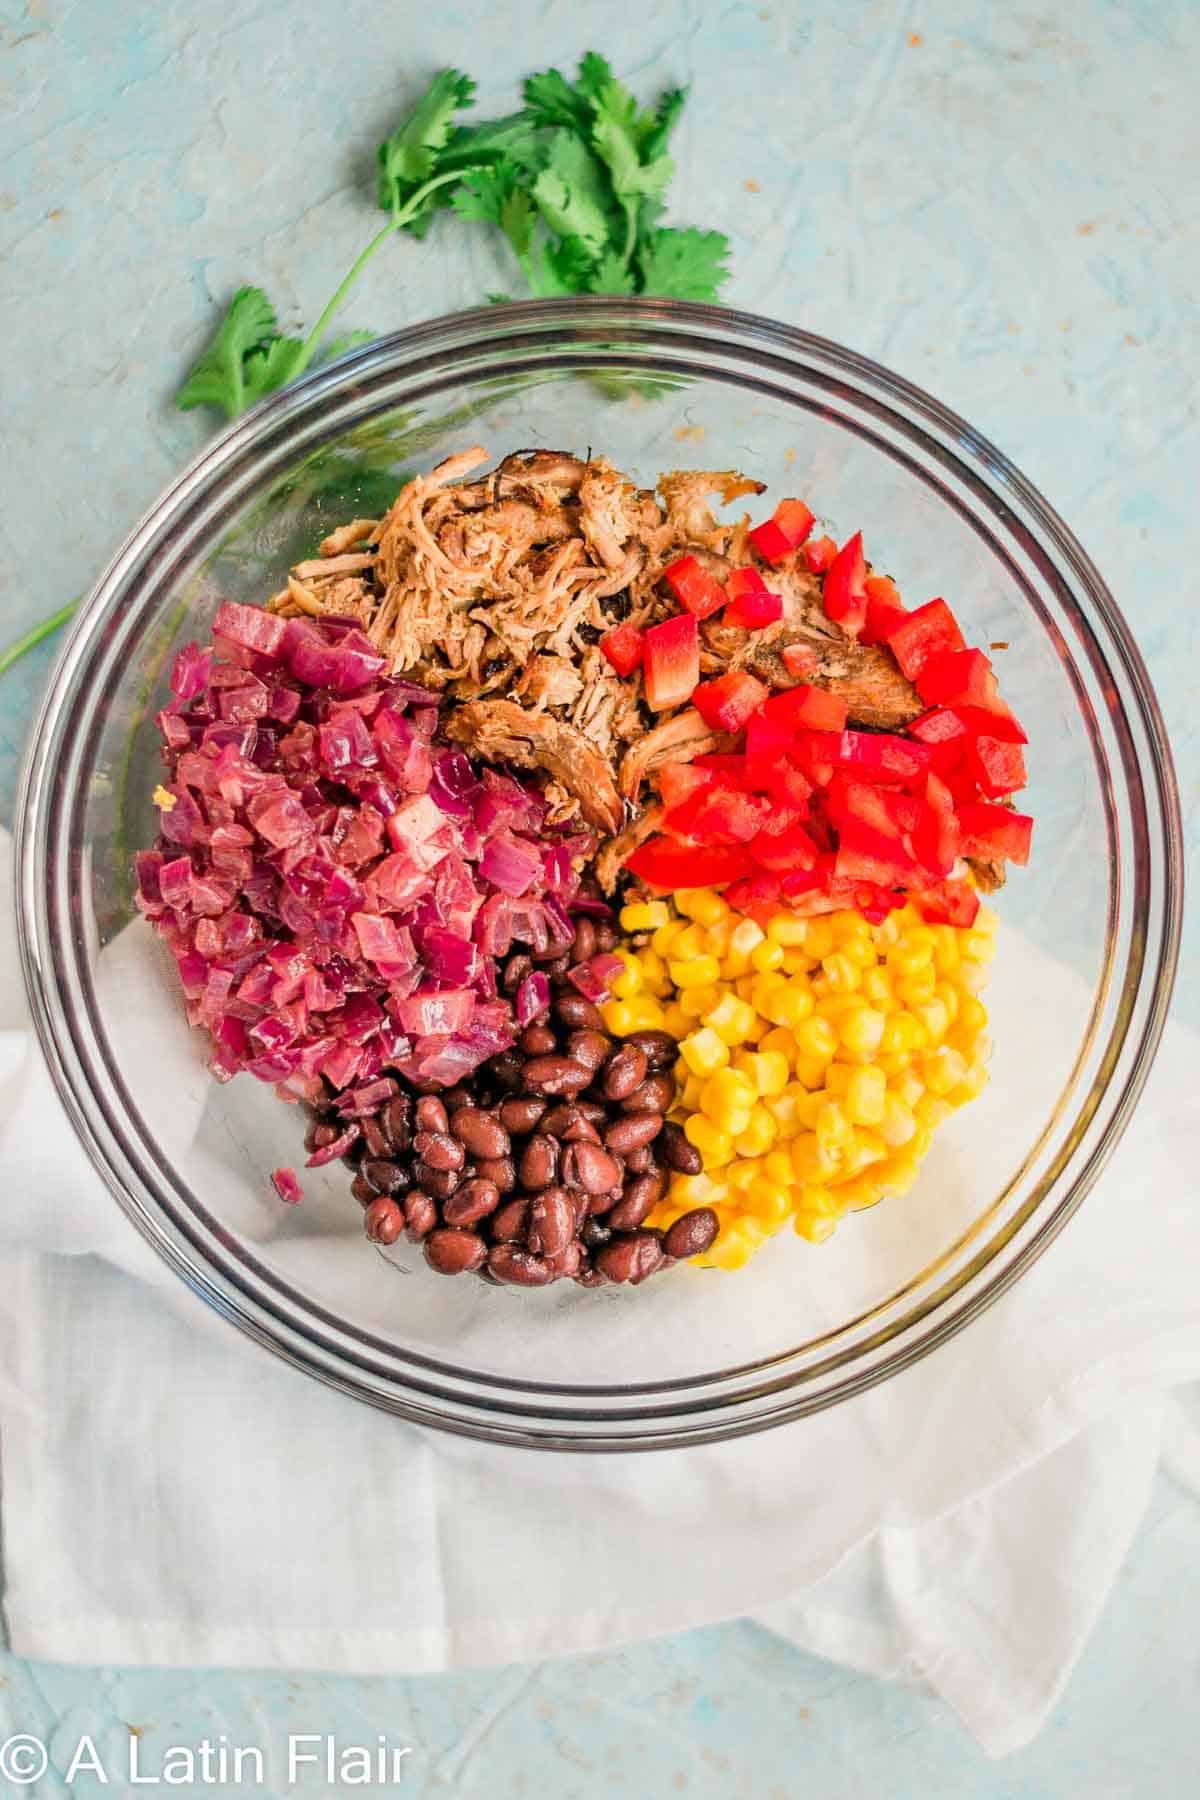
544	1165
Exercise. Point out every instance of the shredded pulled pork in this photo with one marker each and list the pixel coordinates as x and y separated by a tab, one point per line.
496	588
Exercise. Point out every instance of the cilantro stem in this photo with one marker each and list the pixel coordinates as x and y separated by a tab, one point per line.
33	637
409	210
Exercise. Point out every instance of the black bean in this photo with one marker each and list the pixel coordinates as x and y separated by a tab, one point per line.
506	1070
363	1190
508	1224
420	1213
385	1177
632	1132
439	1150
521	1113
639	1162
691	1233
594	1234
516	969
538	1040
555	1075
453	1252
538	1166
395	1120
677	1152
383	1221
431	1114
480	1132
579	1013
584	947
656	1094
626	1070
631	1257
509	1263
374	1138
472	1201
588	1048
551	1222
639	1198
658	1047
606	936
569	1262
501	1170
589	1168
453	1099
441	1183
581	1131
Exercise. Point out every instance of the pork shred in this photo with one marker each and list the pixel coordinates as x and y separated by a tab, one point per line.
495	589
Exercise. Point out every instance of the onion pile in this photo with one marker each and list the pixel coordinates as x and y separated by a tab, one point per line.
334	881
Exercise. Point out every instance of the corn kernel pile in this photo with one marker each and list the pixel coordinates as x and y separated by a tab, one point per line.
817	1056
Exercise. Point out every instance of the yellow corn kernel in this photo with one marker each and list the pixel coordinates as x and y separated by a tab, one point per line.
795	963
865	1150
696	972
932	1111
732	1249
810	1071
897	1125
972	1015
766	956
618	1017
945	948
818	938
921	1141
913	951
654	968
808	1106
708	908
747	936
908	1087
703	1051
645	915
915	989
902	1034
732	1019
785	1110
695	1002
629	981
841	971
833	1128
768	1200
866	1095
665	936
728	1091
863	1191
777	1037
979	946
933	1015
811	1161
943	1069
877	988
687	1191
816	1198
647	1014
817	1039
898	1174
769	1070
888	933
787	930
779	1166
816	1227
759	1134
837	1079
741	1172
970	1087
862	1030
676	1021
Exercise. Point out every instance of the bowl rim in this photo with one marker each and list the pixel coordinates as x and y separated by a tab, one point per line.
597	314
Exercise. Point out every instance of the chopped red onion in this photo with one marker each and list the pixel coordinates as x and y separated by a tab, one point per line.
533	998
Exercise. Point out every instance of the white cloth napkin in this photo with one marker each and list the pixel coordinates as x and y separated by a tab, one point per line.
172	1494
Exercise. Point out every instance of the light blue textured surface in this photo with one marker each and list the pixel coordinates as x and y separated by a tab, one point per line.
998	203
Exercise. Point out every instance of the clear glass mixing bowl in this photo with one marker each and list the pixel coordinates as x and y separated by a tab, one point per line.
1087	942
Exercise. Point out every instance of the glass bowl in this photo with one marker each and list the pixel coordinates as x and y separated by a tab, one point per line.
1087	943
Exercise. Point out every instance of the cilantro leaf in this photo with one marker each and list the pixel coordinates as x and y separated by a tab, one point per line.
611	275
687	264
563	268
551	100
495	197
570	193
408	156
239	364
655	128
271	366
594	74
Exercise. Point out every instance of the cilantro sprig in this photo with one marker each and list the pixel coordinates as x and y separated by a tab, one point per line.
575	183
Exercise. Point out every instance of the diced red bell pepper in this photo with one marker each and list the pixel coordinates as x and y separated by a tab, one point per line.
960	678
696	590
815	754
937	837
885	609
752	610
623	646
755	895
671	662
812	708
779	535
782	844
725	763
788	786
718	815
885	810
800	660
768	736
820	553
990	831
998	767
949	903
744	580
844	595
929	631
664	864
726	703
867	855
881	756
677	782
